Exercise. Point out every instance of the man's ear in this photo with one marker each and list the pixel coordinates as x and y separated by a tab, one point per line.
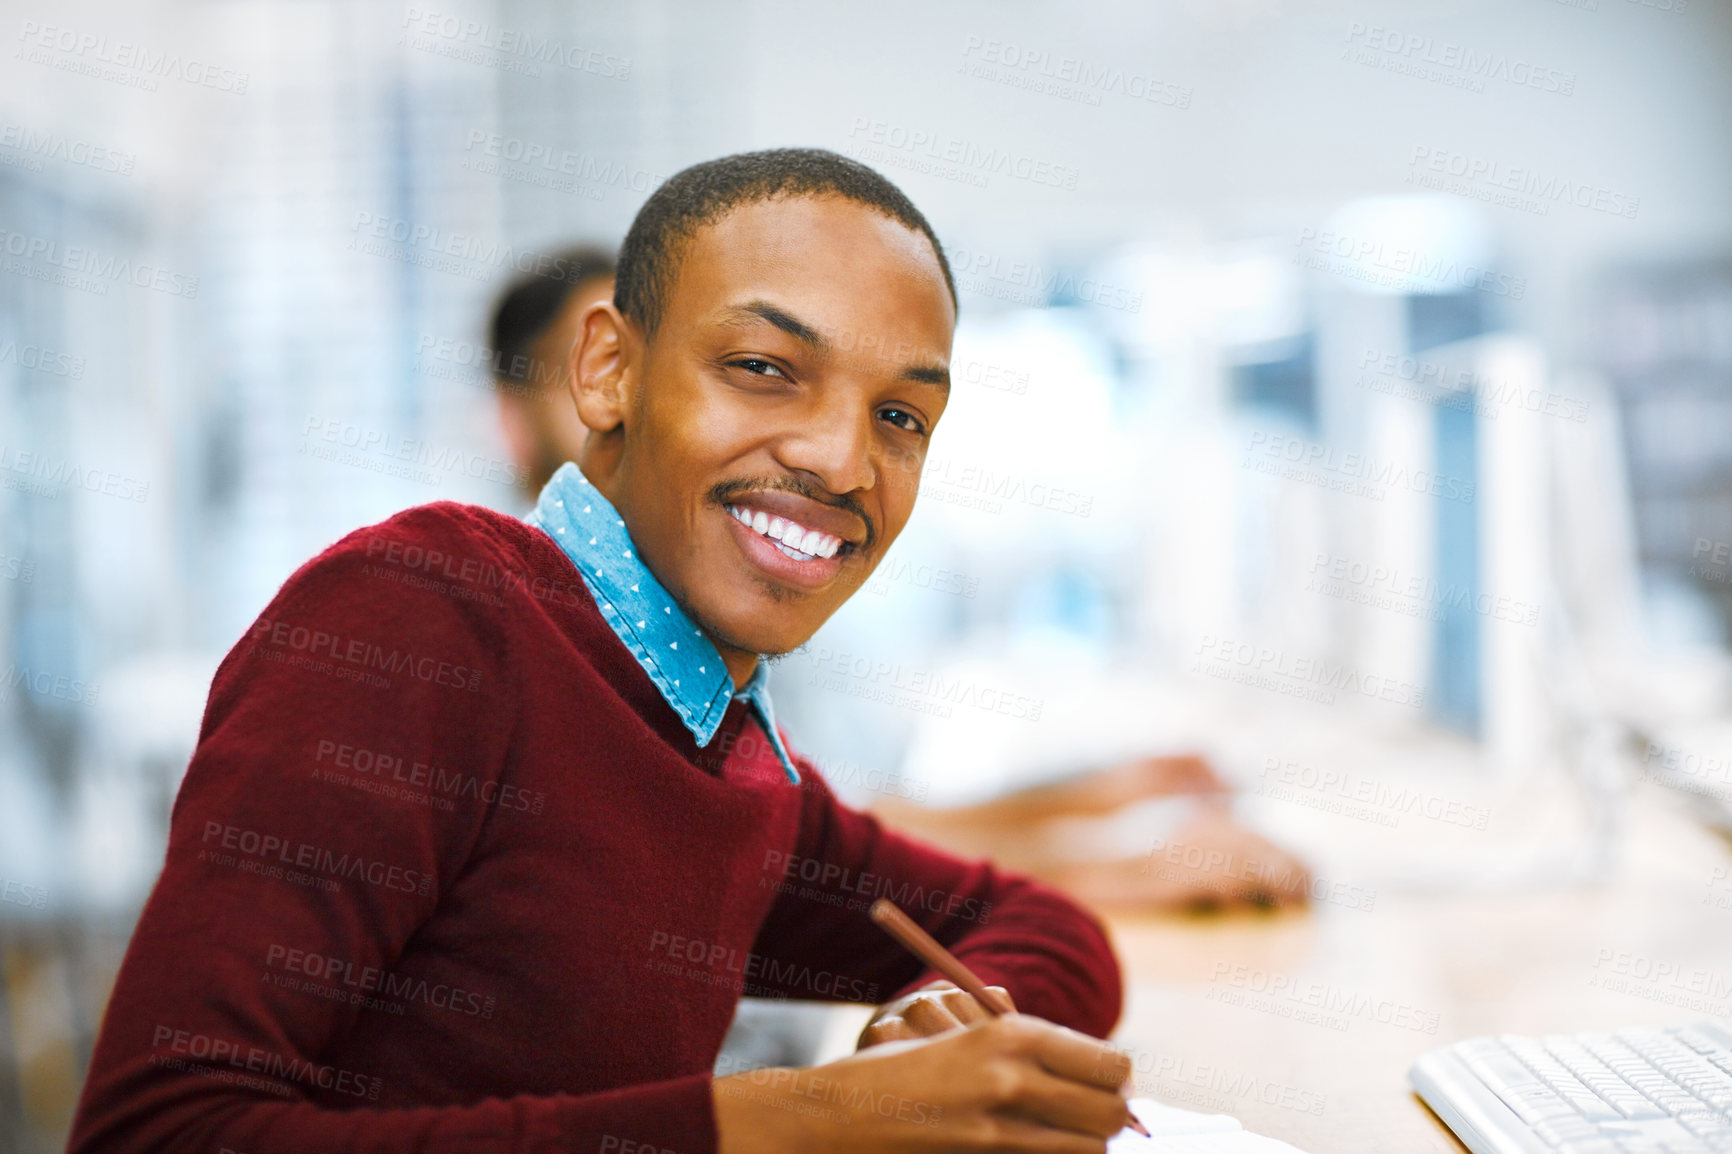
604	367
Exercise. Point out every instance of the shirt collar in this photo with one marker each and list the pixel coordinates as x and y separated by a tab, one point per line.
680	660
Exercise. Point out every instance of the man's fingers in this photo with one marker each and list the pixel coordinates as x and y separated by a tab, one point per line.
1026	1137
1081	1058
892	1029
967	1007
1070	1105
963	1007
1058	1050
930	1016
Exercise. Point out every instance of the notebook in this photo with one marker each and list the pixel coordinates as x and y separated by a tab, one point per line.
1178	1131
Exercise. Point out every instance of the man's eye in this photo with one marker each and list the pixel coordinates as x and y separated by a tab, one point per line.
757	367
902	419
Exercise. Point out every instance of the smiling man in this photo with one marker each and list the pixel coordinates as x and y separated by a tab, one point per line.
472	855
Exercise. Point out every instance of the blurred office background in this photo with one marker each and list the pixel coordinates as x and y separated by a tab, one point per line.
1338	384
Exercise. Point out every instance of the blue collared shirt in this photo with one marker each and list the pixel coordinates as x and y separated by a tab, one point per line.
679	659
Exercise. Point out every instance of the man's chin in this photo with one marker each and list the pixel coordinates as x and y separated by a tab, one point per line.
747	638
752	631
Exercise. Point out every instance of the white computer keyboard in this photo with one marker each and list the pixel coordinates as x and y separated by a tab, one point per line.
1635	1091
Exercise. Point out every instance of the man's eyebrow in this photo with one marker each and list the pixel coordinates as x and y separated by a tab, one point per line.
787	322
928	374
816	341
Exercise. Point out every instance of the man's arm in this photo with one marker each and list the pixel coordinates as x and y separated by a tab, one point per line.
273	854
1051	955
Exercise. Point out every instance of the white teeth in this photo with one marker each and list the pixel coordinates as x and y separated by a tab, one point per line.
795	540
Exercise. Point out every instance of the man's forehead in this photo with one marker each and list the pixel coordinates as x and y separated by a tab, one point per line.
814	244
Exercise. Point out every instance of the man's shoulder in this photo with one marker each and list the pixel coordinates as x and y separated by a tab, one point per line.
447	539
476	557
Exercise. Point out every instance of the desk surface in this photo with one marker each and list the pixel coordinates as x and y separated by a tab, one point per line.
1304	1025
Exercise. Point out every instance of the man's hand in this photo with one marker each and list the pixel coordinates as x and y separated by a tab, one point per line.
1005	1084
935	1008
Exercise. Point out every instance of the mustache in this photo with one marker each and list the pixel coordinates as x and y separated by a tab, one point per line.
724	492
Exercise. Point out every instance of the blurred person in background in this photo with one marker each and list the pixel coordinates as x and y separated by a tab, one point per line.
535	323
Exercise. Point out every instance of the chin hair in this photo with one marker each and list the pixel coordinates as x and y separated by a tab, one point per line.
721	637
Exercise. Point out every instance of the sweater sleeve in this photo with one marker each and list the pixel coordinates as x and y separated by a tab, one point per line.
196	1053
1012	931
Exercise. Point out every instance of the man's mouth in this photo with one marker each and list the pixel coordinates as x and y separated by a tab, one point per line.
791	538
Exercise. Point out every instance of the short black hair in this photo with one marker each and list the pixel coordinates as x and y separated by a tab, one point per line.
531	303
694	197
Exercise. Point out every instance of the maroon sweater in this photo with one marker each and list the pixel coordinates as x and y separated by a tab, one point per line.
447	873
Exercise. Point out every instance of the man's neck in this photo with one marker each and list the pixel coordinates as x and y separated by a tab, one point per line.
741	664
